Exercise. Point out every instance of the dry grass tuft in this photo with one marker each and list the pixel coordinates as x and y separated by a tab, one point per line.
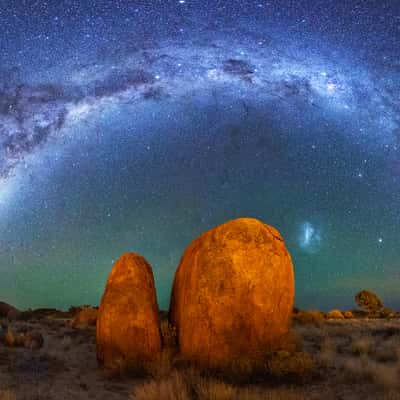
168	334
348	314
163	366
298	366
66	342
7	395
365	369
363	345
173	387
191	385
211	389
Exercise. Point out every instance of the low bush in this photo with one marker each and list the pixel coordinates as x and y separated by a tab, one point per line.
309	317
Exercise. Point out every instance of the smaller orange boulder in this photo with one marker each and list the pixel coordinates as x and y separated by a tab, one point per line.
128	324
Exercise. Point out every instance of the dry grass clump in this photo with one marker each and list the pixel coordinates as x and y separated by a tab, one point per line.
7	395
388	313
348	314
388	350
66	342
163	365
296	366
282	366
327	353
363	345
309	317
290	342
168	334
192	386
173	387
362	352
362	369
212	389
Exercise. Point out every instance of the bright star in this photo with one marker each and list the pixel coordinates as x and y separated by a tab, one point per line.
331	87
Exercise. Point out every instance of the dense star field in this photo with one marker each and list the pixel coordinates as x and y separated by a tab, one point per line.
138	125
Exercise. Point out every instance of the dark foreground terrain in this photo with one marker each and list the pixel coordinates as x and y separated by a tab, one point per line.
354	358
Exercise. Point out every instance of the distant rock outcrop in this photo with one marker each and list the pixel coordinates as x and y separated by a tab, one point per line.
233	293
128	323
86	316
334	314
8	311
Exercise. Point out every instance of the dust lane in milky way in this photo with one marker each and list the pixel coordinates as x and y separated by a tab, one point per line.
32	113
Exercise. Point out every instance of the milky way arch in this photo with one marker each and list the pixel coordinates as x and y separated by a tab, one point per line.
31	113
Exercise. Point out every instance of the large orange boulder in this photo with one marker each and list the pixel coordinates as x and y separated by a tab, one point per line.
128	323
233	293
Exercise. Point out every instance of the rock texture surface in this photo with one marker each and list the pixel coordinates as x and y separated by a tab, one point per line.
128	322
233	293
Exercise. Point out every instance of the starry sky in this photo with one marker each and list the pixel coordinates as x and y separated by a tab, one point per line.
137	125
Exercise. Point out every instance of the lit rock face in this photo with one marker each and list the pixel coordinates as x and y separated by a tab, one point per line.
233	293
128	323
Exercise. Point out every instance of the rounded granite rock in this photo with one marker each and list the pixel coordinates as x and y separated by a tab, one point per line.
233	293
128	331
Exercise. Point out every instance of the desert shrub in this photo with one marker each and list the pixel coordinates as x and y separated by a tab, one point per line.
168	334
296	366
290	342
163	366
348	314
173	387
388	313
191	385
66	342
363	345
240	370
253	393
7	395
334	314
388	350
369	301
366	369
359	313
309	317
327	353
211	389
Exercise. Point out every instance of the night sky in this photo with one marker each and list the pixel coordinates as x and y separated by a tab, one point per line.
137	125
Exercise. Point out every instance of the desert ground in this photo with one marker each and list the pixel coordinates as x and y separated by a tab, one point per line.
329	358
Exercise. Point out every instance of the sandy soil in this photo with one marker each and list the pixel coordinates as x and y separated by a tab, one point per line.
355	359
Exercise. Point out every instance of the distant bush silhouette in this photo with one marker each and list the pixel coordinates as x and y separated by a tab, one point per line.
369	301
309	317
